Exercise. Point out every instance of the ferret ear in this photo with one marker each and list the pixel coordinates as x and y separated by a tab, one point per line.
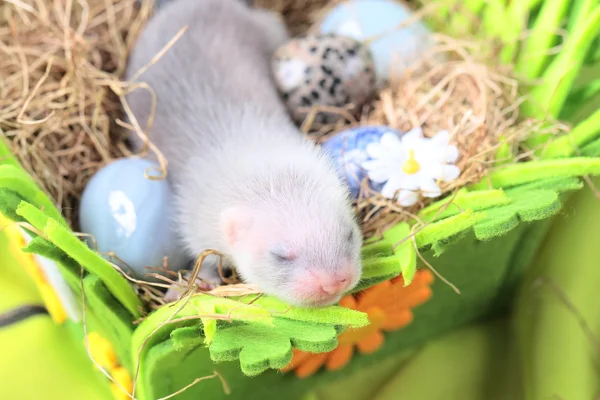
235	223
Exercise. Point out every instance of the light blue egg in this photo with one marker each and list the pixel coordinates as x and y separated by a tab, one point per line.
364	19
130	215
348	150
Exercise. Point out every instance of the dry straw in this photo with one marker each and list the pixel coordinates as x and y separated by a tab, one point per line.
56	108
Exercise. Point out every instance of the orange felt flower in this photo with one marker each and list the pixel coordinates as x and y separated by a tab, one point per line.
388	306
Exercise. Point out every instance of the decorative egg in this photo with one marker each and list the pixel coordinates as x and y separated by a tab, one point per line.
130	215
377	22
323	70
348	150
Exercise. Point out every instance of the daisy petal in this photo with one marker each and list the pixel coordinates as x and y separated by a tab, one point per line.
373	164
413	138
376	171
450	154
407	198
409	182
379	175
391	142
389	190
414	132
430	189
441	138
434	170
450	173
376	150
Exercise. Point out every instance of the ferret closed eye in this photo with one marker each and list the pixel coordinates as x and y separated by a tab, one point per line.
245	179
282	256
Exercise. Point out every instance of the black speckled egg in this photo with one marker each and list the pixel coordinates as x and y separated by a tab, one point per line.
323	70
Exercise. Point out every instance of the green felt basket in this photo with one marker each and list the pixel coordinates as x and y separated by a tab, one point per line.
482	243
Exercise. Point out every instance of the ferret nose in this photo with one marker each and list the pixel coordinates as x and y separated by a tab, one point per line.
335	286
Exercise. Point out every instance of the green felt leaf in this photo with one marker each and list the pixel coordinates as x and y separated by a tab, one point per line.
494	17
388	257
380	248
159	325
580	135
332	315
504	153
210	324
407	256
267	328
62	238
505	209
116	320
6	156
404	252
367	283
380	266
260	348
446	228
69	268
17	180
526	205
516	174
592	149
559	185
207	307
381	262
558	78
9	201
188	336
464	200
516	15
541	38
579	11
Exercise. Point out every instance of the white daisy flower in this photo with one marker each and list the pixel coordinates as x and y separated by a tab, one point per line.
411	165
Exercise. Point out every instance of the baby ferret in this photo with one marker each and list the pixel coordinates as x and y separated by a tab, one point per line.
246	182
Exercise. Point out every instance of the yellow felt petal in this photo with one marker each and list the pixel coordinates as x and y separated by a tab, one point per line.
102	351
53	304
122	379
210	324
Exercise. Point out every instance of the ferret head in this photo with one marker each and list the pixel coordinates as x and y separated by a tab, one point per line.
295	235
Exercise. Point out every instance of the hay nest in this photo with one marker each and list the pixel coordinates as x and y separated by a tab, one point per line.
60	99
62	61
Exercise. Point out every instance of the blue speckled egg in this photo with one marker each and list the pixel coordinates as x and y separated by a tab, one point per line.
393	48
348	150
130	215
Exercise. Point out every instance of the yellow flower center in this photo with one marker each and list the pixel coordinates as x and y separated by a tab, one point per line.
411	166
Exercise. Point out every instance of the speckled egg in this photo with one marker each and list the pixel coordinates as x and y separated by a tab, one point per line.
323	70
348	150
378	21
130	215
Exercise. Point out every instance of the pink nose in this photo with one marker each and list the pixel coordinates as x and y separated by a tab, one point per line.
335	286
